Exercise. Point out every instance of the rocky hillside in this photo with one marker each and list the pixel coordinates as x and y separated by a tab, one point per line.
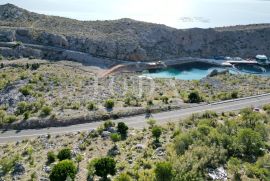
128	39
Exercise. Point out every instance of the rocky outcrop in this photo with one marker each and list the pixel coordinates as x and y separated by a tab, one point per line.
128	39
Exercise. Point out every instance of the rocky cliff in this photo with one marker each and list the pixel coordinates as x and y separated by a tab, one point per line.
127	39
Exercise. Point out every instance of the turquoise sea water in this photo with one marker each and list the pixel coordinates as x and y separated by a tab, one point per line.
190	74
197	72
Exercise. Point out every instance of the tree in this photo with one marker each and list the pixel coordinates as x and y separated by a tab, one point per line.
123	177
64	154
249	142
51	157
122	128
105	166
156	132
63	170
164	171
109	104
194	97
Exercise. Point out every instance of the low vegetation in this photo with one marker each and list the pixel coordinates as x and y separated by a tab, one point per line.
232	145
38	89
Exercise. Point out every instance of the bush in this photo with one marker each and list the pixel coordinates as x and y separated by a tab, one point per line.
249	143
35	66
109	104
165	99
115	137
122	128
164	171
156	132
194	97
2	116
151	122
22	107
63	170
182	143
108	124
234	95
105	166
64	154
26	90
91	106
7	164
46	111
123	177
51	157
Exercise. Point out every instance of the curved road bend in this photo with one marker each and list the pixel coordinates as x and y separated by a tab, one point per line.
140	121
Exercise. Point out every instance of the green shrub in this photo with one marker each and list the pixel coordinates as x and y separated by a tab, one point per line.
7	164
109	104
64	154
156	132
151	122
63	170
105	166
26	90
115	137
51	157
91	106
26	115
165	99
22	107
76	106
122	128
234	95
108	124
194	97
2	116
249	143
46	110
163	171
182	143
123	177
35	66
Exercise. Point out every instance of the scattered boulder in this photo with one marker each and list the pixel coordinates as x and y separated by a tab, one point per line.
139	147
218	173
215	72
105	134
111	130
114	151
19	169
47	169
160	151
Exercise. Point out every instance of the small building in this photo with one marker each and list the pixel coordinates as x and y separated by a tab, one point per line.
262	59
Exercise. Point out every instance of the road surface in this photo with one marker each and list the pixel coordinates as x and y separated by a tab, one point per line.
140	121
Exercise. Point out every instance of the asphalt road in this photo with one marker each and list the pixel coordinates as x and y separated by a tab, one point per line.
140	121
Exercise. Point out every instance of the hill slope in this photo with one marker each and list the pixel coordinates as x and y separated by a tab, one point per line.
128	39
